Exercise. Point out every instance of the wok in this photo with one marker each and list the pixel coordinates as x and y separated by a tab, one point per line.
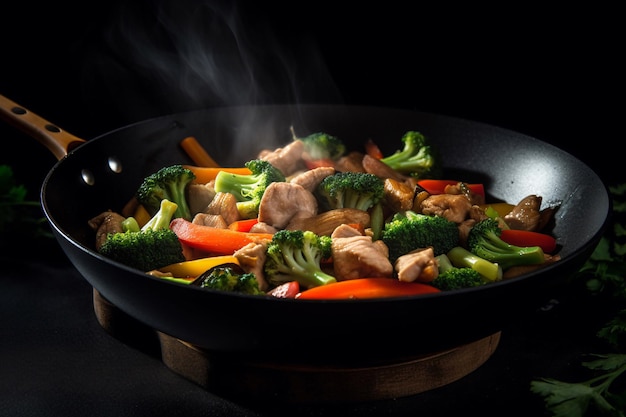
104	172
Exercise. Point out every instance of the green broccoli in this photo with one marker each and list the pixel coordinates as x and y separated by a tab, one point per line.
408	230
357	190
323	146
418	158
248	189
462	258
170	183
453	278
151	247
296	255
484	240
227	278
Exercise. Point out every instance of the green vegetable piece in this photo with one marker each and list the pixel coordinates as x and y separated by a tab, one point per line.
296	255
418	158
248	189
357	190
409	230
167	183
484	240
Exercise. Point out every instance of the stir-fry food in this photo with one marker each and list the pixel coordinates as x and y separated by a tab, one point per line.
312	220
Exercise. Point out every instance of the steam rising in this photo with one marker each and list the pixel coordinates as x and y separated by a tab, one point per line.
157	58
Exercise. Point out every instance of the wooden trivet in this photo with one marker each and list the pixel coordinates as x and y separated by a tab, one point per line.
260	380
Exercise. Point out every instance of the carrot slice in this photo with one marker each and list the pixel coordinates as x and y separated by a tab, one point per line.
213	239
362	288
208	174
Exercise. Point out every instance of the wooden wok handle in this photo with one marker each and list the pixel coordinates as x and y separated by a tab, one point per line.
58	141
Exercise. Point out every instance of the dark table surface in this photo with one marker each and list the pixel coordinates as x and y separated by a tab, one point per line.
545	74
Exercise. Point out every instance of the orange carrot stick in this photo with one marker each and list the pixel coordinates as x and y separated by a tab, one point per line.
207	174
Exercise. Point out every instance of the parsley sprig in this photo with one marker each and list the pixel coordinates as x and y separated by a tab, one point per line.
605	273
19	217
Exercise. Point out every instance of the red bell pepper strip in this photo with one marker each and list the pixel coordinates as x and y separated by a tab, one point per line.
287	290
527	238
362	288
213	239
438	186
243	225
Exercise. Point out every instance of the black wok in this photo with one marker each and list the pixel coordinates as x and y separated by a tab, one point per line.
104	172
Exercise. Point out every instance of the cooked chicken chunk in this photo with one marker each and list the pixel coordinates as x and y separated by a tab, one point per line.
251	259
287	159
356	256
310	179
450	206
526	215
325	223
398	195
380	169
352	162
105	223
199	196
213	220
419	265
225	205
283	201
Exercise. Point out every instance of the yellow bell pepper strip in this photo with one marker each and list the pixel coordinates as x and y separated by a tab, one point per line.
196	267
362	288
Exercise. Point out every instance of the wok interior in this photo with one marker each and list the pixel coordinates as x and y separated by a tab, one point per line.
511	166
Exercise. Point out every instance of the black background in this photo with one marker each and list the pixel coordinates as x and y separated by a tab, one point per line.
551	73
554	74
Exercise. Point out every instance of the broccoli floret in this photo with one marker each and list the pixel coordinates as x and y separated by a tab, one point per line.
226	278
296	255
418	158
248	189
323	146
167	183
409	230
152	247
462	258
357	190
484	240
453	278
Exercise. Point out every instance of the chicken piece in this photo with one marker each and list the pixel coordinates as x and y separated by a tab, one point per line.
199	196
310	179
461	188
323	224
251	259
380	169
287	159
261	227
419	265
352	162
225	205
283	201
455	208
357	256
105	223
526	215
398	195
213	220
